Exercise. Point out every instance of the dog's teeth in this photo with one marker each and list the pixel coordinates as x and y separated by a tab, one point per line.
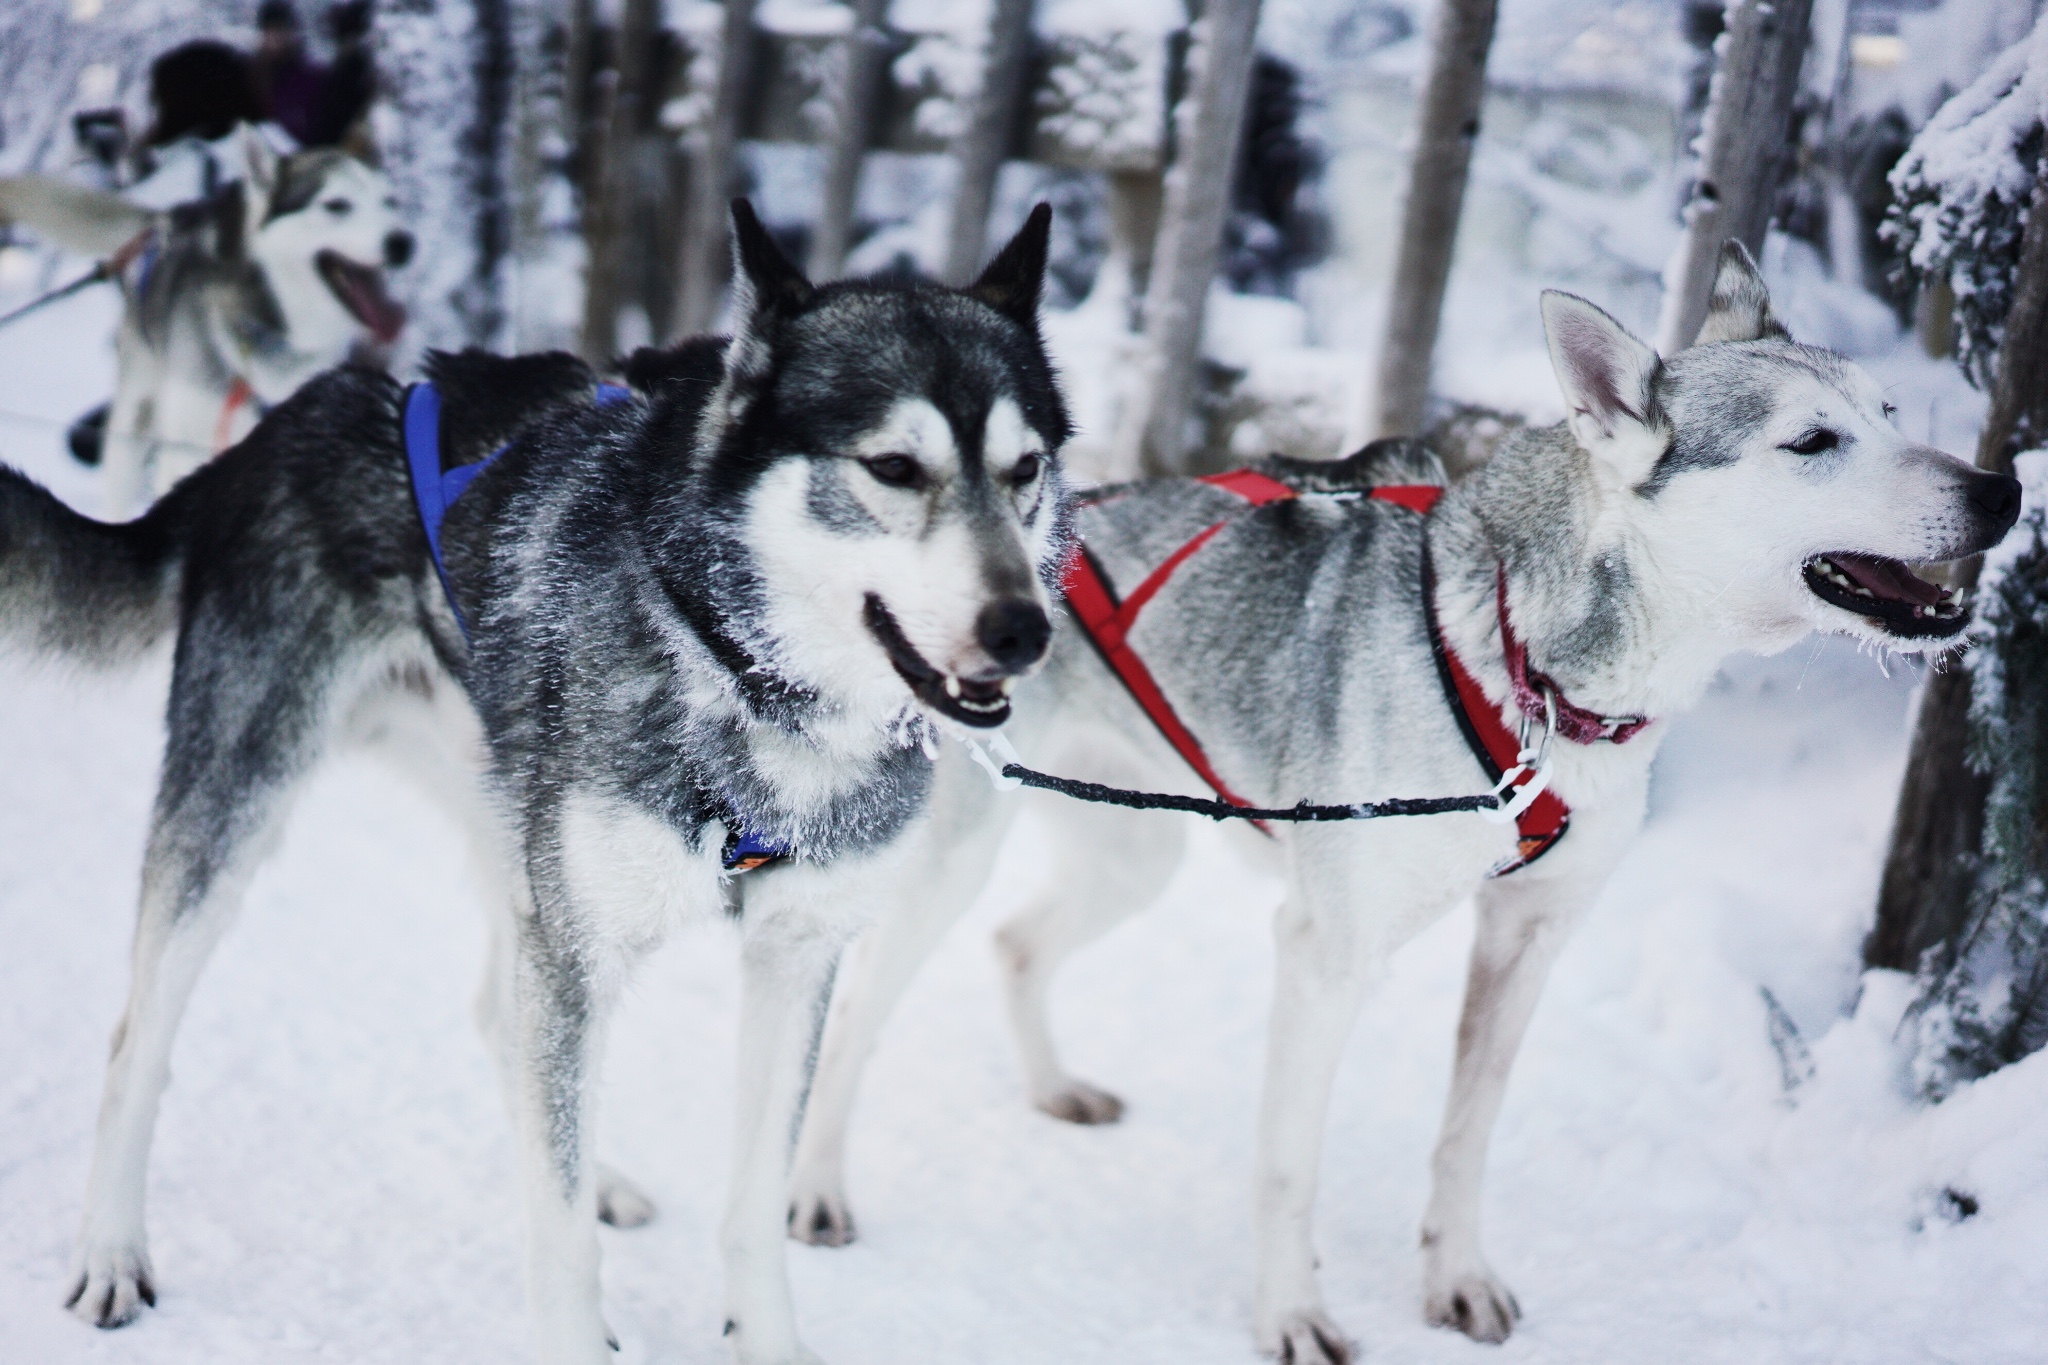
1006	684
952	687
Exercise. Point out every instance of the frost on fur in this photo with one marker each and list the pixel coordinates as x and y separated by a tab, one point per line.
1961	193
1983	994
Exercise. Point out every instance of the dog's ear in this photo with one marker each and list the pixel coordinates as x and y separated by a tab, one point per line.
764	281
1739	309
261	159
1014	279
1610	384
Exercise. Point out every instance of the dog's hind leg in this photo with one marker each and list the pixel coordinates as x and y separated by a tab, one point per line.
959	846
1112	864
1523	922
422	725
232	759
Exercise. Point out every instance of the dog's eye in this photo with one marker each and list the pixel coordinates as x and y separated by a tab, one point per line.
1025	471
896	471
340	208
1890	411
1814	442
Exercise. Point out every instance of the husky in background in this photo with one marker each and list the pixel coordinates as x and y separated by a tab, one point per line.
230	303
732	611
1734	497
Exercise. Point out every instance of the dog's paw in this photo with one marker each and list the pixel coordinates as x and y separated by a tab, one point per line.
823	1220
620	1202
1080	1102
113	1286
1476	1304
1309	1338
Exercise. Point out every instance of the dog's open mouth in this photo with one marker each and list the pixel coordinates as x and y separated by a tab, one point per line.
980	704
361	290
1887	592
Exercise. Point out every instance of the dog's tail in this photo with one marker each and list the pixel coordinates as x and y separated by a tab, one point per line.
91	591
76	217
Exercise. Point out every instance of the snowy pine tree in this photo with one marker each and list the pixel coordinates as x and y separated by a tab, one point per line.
1984	994
1970	207
1960	196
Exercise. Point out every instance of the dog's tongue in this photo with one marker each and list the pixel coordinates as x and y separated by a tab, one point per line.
1887	578
361	290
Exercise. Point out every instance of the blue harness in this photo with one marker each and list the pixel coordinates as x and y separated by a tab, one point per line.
434	491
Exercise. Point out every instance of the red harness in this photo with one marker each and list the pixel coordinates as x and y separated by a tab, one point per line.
1108	623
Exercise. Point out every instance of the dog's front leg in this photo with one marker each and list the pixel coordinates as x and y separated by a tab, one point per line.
786	979
558	995
1523	922
1321	973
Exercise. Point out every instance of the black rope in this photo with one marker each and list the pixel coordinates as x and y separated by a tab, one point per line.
98	273
1223	810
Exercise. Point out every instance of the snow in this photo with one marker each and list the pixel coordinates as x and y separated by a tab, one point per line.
333	1176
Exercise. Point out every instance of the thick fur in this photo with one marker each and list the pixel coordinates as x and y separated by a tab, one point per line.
675	607
1666	525
235	293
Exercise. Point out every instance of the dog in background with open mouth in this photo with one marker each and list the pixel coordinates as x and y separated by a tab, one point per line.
230	303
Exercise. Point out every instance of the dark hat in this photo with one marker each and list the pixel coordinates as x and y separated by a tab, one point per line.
202	88
349	19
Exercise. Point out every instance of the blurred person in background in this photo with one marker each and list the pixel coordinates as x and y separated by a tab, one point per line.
288	82
351	82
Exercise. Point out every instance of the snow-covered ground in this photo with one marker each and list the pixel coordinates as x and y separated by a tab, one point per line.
332	1179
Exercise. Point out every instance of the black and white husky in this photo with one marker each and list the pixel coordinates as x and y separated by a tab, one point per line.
230	303
1733	497
724	617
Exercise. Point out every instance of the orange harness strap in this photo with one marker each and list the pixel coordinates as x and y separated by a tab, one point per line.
240	395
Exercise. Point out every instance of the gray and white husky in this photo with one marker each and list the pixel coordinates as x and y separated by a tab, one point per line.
229	303
1732	497
732	609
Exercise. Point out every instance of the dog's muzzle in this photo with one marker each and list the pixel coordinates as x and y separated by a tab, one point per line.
1013	633
398	247
1889	595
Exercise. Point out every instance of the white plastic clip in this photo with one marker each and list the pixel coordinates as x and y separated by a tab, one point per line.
1511	808
1533	760
1005	754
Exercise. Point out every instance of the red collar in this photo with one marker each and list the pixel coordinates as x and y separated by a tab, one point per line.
1574	722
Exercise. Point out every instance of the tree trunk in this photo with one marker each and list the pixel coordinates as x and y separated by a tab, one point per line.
609	193
482	302
984	144
1447	126
1939	824
1748	136
538	114
706	254
1209	123
868	49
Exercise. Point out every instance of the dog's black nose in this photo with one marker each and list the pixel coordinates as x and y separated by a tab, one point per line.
1997	496
398	248
1014	633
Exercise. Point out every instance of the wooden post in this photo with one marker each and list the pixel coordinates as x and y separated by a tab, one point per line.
1747	137
985	142
1939	825
706	254
868	49
1152	432
1446	127
482	303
